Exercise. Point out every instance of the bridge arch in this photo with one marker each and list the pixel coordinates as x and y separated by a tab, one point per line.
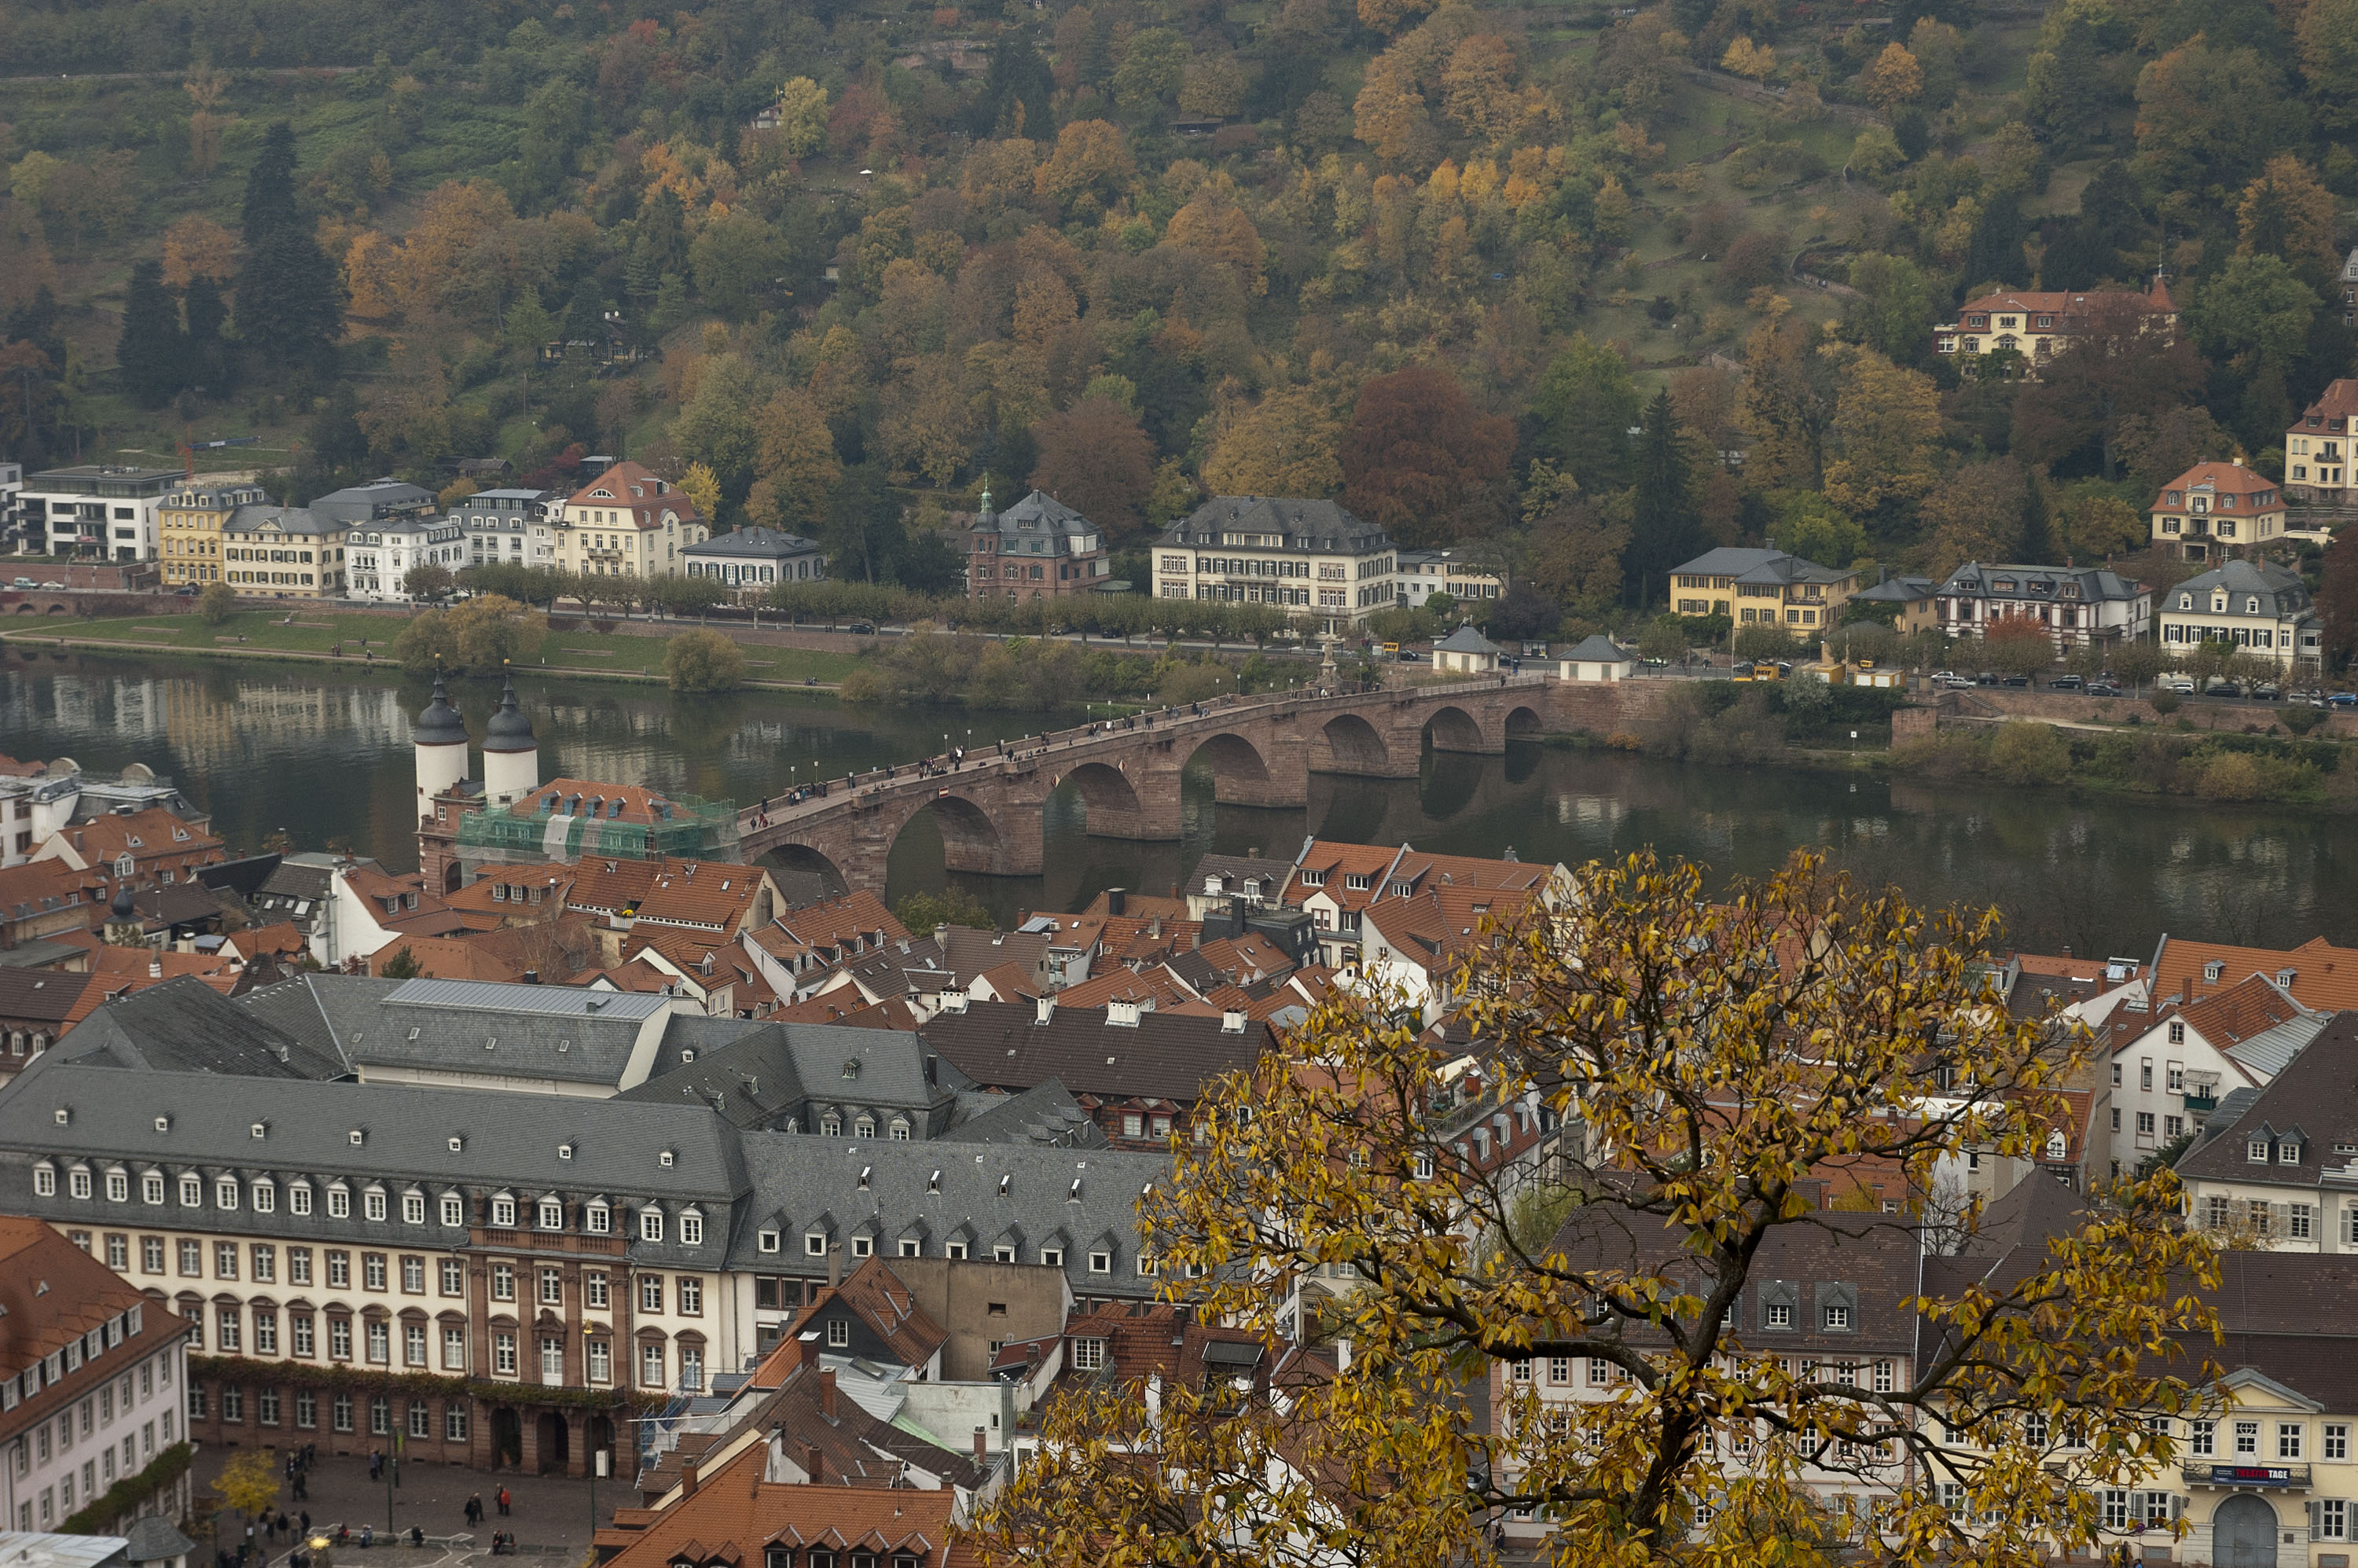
1524	723
970	838
793	857
1454	729
1104	789
1347	743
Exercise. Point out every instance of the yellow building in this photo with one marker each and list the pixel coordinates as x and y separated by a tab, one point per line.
1763	588
283	552
627	522
188	529
2214	511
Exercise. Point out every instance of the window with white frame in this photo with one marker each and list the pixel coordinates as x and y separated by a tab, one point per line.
651	1225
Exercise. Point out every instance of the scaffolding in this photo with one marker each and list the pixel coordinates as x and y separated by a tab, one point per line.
686	827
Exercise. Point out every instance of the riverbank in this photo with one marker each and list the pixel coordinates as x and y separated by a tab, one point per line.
573	647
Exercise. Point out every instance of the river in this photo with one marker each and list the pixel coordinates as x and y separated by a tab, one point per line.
327	759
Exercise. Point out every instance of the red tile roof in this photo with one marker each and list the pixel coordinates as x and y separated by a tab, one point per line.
734	1515
2324	977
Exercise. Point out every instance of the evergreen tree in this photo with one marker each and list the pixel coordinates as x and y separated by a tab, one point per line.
2037	524
660	246
1015	92
270	187
207	313
2112	203
151	352
290	303
1664	528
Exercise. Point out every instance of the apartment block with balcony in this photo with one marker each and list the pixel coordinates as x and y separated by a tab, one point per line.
2168	1077
95	510
2321	466
1327	568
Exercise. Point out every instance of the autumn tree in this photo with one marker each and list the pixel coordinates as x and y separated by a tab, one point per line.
428	582
216	603
2113	372
1285	444
704	661
1729	1057
1420	460
2287	212
481	634
2015	644
793	462
1887	421
2337	595
197	247
1744	58
1975	514
1096	459
2092	527
1788	405
1892	77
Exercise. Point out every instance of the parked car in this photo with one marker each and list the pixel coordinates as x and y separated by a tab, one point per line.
2267	691
2102	688
2222	687
22	582
2066	683
2016	680
1988	677
2344	699
1411	656
2180	685
861	629
53	585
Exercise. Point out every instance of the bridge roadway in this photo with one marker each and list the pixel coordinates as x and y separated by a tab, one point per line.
1263	751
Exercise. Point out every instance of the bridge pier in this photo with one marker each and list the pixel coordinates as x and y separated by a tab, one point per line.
1287	783
1011	842
1156	819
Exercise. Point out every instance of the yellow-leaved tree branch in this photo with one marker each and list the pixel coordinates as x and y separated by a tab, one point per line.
1710	1083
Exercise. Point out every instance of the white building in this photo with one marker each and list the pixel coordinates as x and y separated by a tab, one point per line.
100	509
1421	574
2168	1080
508	527
379	556
2078	605
751	561
2259	607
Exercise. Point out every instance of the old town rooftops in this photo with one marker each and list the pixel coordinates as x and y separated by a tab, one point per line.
1117	1051
2301	1130
776	1070
2319	975
1763	568
185	1026
2077	584
52	1292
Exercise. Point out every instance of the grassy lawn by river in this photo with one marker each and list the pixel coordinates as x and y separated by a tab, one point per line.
317	634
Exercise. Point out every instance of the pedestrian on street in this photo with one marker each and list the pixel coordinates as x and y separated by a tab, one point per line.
503	1502
474	1510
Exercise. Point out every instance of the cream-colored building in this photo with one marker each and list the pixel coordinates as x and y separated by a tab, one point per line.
283	552
2037	326
1325	567
2213	511
2260	607
627	522
1424	573
2320	464
189	523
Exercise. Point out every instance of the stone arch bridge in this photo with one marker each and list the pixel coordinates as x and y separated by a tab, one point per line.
1263	751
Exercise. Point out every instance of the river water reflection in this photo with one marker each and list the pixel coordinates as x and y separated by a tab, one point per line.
327	759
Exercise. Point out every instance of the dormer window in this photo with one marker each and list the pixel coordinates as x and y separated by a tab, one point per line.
2257	1151
2288	1152
2213	970
551	1215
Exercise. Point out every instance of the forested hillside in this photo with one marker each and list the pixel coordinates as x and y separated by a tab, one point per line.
1594	288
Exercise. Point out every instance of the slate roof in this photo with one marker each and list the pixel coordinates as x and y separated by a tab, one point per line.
2313	1100
373	501
1756	566
154	1537
1895	590
2042	585
1596	648
1046	1114
772	1070
1037	512
1025	1197
1466	640
1234	870
1323	526
404	1136
571	1034
2279	592
185	1026
1161	1056
755	543
252	517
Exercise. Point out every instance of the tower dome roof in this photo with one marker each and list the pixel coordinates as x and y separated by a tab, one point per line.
122	908
439	724
511	728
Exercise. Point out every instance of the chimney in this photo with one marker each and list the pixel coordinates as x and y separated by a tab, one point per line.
981	1443
1047	1005
688	1479
532	977
811	1461
826	1392
156	969
834	1267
